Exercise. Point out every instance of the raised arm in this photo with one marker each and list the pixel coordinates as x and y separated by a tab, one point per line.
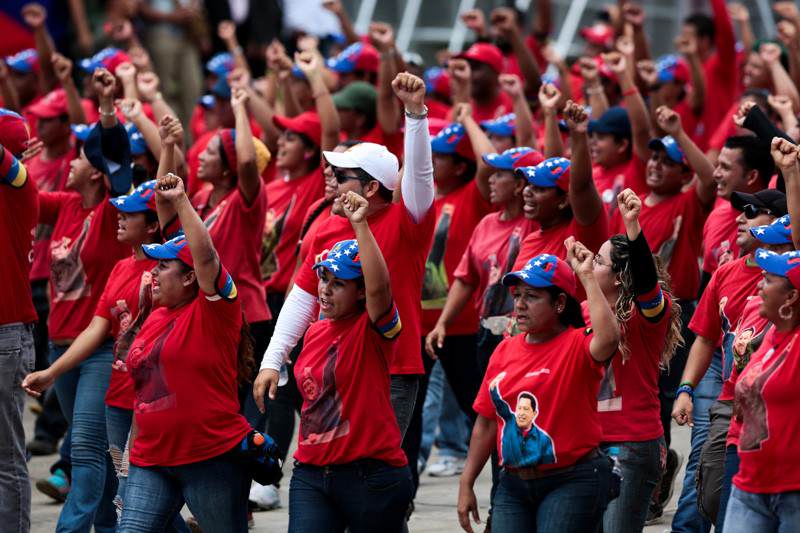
388	110
785	155
63	69
504	19
512	86
35	16
105	86
8	92
310	64
782	105
417	183
170	132
336	7
586	203
697	96
246	167
460	75
147	84
595	94
226	31
788	34
634	15
462	113
670	122
771	54
634	103
549	99
725	38
740	15
750	116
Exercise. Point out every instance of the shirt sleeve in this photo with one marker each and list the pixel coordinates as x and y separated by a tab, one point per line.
725	40
757	122
104	305
417	184
50	205
705	321
465	271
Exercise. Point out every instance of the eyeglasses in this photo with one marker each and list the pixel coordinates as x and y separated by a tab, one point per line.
341	177
750	211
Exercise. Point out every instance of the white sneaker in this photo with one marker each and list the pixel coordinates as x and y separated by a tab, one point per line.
446	467
264	497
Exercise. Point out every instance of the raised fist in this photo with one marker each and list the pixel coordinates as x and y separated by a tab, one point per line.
411	91
668	120
576	116
381	35
34	15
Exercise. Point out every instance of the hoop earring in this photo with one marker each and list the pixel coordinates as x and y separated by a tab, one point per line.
788	315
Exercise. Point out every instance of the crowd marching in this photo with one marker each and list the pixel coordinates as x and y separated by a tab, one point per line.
535	264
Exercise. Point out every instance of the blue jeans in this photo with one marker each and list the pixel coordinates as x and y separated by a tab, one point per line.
687	517
573	501
766	513
362	496
81	393
441	411
731	469
16	362
640	463
215	490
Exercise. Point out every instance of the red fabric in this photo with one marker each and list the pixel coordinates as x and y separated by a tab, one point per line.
49	176
288	204
343	376
19	209
183	364
193	185
719	236
491	252
197	124
740	344
724	128
437	109
723	301
564	379
90	110
501	105
690	121
393	142
83	251
551	240
126	302
672	228
610	181
457	214
766	403
405	246
237	230
308	238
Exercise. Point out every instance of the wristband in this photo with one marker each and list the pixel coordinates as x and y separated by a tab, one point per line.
630	92
105	114
688	389
419	116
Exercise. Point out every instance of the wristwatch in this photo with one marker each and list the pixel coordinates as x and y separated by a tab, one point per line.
419	116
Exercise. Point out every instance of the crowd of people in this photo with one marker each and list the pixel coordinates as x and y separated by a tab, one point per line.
531	262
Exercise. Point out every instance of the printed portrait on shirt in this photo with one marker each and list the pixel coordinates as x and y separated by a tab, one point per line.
608	397
152	390
497	300
435	284
273	229
321	420
68	274
668	246
128	325
523	443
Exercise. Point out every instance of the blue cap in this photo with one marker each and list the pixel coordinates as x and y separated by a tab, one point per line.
779	232
108	58
553	172
445	141
338	38
544	270
221	64
207	101
342	260
143	198
135	137
671	147
221	88
520	156
81	131
672	68
24	61
785	264
357	56
505	125
614	121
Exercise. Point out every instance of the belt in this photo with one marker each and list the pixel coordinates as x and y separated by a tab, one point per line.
534	472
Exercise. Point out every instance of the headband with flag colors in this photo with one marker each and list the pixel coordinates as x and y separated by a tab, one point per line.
544	270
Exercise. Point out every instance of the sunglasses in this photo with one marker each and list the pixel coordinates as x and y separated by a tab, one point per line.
341	177
750	211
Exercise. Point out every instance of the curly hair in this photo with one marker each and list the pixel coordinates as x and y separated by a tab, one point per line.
621	266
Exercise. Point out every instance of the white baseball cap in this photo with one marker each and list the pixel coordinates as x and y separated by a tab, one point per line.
375	159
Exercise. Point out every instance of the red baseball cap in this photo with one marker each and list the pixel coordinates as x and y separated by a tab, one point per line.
306	123
14	132
53	105
599	34
485	53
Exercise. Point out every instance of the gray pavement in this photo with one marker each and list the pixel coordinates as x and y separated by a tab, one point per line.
435	503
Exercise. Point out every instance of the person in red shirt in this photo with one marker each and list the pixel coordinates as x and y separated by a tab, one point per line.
766	488
437	86
356	105
18	214
185	362
545	426
357	62
474	79
628	404
347	443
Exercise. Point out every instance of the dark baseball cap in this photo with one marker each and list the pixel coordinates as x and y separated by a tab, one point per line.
614	121
771	199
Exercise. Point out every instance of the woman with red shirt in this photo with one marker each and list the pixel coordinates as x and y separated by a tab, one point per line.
554	477
350	472
185	363
766	490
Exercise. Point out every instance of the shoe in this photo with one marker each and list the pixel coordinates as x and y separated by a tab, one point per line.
666	486
654	514
41	447
56	486
446	467
264	497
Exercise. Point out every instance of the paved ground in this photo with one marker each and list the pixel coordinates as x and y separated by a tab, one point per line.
435	504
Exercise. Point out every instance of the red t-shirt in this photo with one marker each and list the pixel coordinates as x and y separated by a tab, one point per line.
184	365
610	181
491	253
690	121
308	238
724	128
83	251
722	303
457	214
237	230
564	379
719	236
501	105
343	376
50	175
673	230
739	345
19	210
393	142
551	240
126	303
512	64
288	204
766	403
405	246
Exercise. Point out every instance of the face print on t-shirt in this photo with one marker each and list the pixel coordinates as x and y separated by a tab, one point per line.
128	326
435	284
523	443
497	300
273	229
668	246
152	391
321	421
68	273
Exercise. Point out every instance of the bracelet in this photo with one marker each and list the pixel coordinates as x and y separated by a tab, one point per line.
630	92
688	389
419	116
106	114
688	383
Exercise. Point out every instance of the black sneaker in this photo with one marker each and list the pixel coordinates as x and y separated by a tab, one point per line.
674	462
41	447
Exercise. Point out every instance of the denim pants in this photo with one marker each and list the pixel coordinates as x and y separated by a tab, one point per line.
215	490
441	412
16	361
641	464
687	517
711	468
81	393
363	497
765	513
731	469
570	502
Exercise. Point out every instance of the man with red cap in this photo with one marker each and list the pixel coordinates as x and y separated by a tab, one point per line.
19	211
474	79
